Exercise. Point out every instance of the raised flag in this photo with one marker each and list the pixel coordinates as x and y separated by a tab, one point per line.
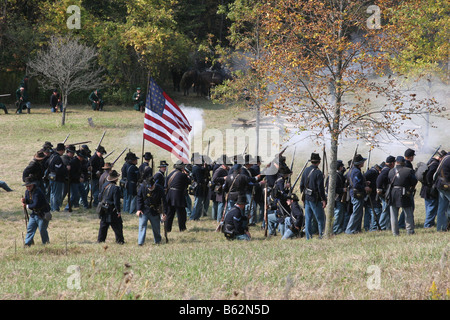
165	124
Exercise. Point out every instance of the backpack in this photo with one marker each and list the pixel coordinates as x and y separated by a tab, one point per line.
421	172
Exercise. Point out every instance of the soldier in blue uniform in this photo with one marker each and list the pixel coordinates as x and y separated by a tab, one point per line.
442	181
339	206
200	176
218	179
358	190
403	185
235	224
372	203
279	206
35	201
151	203
132	172
382	184
160	175
57	175
139	100
409	156
96	100
313	188
96	163
176	188
295	218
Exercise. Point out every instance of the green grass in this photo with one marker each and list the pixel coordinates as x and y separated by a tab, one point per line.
198	263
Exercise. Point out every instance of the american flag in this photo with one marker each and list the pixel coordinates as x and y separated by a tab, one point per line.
165	124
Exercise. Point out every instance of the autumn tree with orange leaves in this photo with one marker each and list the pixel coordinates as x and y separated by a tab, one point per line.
330	73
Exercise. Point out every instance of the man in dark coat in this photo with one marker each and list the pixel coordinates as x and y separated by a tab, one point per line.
235	224
75	179
442	178
295	218
139	100
55	101
218	179
132	172
110	194
409	156
22	101
160	175
372	203
36	170
96	100
96	163
146	169
279	206
252	182
151	203
382	185
358	191
35	201
339	206
176	186
200	175
57	176
428	192
313	187
404	182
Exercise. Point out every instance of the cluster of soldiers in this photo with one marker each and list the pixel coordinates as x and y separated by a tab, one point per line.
242	193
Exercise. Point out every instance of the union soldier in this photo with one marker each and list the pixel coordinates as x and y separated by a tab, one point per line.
160	175
55	101
151	203
78	193
36	170
129	201
279	206
145	169
372	203
428	192
139	100
409	158
382	185
339	206
442	182
252	181
358	191
40	215
22	101
235	224
176	189
200	175
66	158
218	179
106	170
294	221
404	182
95	165
57	176
313	188
110	194
96	100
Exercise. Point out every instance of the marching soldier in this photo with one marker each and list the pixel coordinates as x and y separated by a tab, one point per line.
404	182
382	185
358	191
313	188
139	100
110	195
151	203
96	100
176	188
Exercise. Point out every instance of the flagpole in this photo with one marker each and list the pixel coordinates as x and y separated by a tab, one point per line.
146	103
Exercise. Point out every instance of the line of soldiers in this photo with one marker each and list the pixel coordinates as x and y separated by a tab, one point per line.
242	192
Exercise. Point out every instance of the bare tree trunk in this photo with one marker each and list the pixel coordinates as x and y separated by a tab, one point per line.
331	186
63	107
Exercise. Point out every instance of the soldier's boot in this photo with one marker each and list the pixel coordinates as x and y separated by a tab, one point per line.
28	110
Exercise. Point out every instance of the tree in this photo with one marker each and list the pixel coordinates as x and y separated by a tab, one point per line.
330	74
68	66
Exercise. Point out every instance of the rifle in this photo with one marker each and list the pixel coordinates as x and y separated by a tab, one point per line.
292	164
25	213
5	95
325	164
77	143
298	177
66	139
108	154
118	157
99	143
368	160
245	149
346	194
266	222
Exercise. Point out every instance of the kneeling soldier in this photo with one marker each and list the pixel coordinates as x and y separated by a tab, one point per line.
235	224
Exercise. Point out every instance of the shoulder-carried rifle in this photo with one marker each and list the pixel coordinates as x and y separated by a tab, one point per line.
298	177
112	163
266	220
66	139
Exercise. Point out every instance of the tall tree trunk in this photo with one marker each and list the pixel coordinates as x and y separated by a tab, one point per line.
63	108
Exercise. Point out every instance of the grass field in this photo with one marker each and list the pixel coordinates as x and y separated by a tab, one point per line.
198	263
